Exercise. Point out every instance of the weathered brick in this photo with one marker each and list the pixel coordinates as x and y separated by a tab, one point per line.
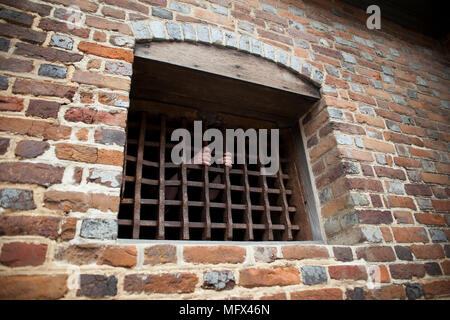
63	27
374	216
389	292
218	280
116	256
318	294
102	229
409	234
29	225
10	103
110	137
33	287
20	254
105	52
400	202
407	271
343	254
376	254
214	254
43	109
265	277
435	178
72	152
47	54
97	286
38	88
436	288
403	217
160	254
31	148
347	272
430	219
22	33
35	128
299	252
15	65
160	283
53	71
80	201
423	251
101	81
35	173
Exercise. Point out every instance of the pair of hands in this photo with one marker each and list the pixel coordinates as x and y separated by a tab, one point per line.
205	158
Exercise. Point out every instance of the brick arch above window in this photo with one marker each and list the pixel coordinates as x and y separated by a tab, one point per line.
153	30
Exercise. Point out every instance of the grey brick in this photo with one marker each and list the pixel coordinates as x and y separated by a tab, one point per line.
125	41
306	69
97	286
319	26
387	79
438	235
218	280
245	26
318	76
359	143
203	34
372	233
296	25
393	126
269	51
189	32
268	8
433	269
111	137
403	253
325	195
173	30
216	35
162	13
17	199
256	47
107	177
414	65
367	110
345	42
428	165
244	44
396	188
328	89
103	229
332	70
296	11
387	70
295	64
61	41
348	58
230	39
179	7
314	275
157	29
366	56
399	99
344	139
411	93
140	29
120	68
421	82
219	9
349	219
335	113
424	204
358	199
53	71
394	52
377	84
413	290
301	44
3	82
282	57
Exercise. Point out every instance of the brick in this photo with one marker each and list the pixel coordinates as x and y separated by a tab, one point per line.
34	173
43	109
435	178
105	52
34	128
53	71
299	252
433	269
355	154
374	216
4	44
276	296
79	201
430	219
377	145
72	152
400	202
160	254
160	283
110	12
61	41
365	184
318	294
441	205
30	148
132	5
38	88
343	254
376	254
108	178
97	286
15	65
389	173
22	33
10	103
91	116
68	229
418	189
125	257
409	234
371	121
101	81
403	217
16	199
407	162
362	98
214	254
347	272
407	271
110	157
108	24
47	54
102	229
432	251
113	99
33	287
389	292
268	277
403	253
436	288
314	275
422	153
218	280
29	225
20	254
63	27
446	267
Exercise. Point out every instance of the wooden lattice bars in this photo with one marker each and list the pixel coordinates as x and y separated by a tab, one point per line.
162	200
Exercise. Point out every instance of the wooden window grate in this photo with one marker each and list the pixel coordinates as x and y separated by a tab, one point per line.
161	200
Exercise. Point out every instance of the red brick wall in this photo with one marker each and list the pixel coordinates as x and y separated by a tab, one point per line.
377	144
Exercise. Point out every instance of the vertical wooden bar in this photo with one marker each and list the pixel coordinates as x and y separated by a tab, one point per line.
248	204
227	214
162	182
184	199
138	177
287	233
268	232
206	214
